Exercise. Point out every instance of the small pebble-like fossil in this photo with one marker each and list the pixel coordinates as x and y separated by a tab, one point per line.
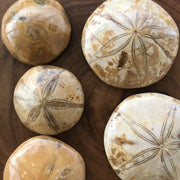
48	99
142	138
35	31
44	158
130	43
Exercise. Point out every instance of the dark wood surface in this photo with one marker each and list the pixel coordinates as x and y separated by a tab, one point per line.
100	99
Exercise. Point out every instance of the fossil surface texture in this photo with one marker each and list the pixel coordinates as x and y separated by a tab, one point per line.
130	43
42	158
35	31
142	138
48	99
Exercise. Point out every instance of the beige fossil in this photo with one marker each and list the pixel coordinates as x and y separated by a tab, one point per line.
130	43
142	138
48	99
42	158
35	31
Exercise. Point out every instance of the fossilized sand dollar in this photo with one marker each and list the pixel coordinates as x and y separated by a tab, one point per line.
35	31
48	99
130	43
42	158
142	138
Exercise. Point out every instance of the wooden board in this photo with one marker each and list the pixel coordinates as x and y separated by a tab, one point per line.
101	99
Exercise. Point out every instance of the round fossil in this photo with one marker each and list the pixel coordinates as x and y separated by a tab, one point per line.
142	138
48	99
43	158
130	43
35	31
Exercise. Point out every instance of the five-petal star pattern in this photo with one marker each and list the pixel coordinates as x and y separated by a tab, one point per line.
46	104
134	32
160	147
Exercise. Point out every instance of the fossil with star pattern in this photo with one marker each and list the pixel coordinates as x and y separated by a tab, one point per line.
49	100
130	44
142	138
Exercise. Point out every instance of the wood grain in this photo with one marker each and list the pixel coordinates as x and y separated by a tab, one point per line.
100	99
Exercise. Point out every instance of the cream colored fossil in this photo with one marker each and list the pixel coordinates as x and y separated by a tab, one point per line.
49	100
142	138
130	43
42	158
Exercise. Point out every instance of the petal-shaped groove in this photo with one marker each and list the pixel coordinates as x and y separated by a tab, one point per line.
157	27
144	52
162	36
109	17
168	164
48	167
133	52
141	158
51	121
62	104
155	41
41	2
173	145
46	171
33	114
121	47
125	18
140	130
168	124
137	17
18	45
146	16
50	86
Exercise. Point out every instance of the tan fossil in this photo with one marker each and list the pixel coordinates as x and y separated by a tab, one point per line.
35	31
45	102
43	158
142	31
140	148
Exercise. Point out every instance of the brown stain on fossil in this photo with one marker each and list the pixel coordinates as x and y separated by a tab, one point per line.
117	171
99	70
123	140
100	9
107	36
95	46
66	172
123	58
114	161
118	158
